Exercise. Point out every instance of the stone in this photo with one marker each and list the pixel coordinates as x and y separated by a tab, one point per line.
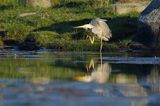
124	8
40	3
148	32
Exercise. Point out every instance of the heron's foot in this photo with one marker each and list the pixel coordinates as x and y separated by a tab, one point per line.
91	39
87	36
87	68
92	42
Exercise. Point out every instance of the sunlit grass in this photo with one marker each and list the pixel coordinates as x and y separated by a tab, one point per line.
61	20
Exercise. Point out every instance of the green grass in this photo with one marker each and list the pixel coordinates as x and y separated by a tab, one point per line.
53	27
34	69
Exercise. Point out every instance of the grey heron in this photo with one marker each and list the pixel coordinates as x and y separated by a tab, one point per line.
99	29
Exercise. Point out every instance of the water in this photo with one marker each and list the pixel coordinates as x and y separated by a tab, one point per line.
48	78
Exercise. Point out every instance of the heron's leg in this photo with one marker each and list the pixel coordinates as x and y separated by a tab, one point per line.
101	4
87	36
87	68
91	65
101	45
92	40
101	53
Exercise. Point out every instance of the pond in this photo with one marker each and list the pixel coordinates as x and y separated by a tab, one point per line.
48	78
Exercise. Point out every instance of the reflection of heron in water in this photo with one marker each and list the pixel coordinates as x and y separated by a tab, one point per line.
99	74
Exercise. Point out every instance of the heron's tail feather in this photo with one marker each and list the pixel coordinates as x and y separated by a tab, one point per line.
105	39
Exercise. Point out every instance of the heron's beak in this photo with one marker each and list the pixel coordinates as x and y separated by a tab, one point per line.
83	26
86	26
83	78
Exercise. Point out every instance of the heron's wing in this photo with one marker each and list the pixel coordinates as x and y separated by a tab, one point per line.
106	32
101	29
97	31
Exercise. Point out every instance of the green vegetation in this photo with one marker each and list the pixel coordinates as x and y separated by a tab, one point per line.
47	66
53	27
11	68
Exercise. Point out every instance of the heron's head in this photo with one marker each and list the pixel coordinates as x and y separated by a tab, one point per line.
86	26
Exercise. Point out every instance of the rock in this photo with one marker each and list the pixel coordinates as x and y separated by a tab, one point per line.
28	46
123	8
149	26
137	46
39	3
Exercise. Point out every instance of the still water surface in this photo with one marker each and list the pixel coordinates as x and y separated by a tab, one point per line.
48	78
